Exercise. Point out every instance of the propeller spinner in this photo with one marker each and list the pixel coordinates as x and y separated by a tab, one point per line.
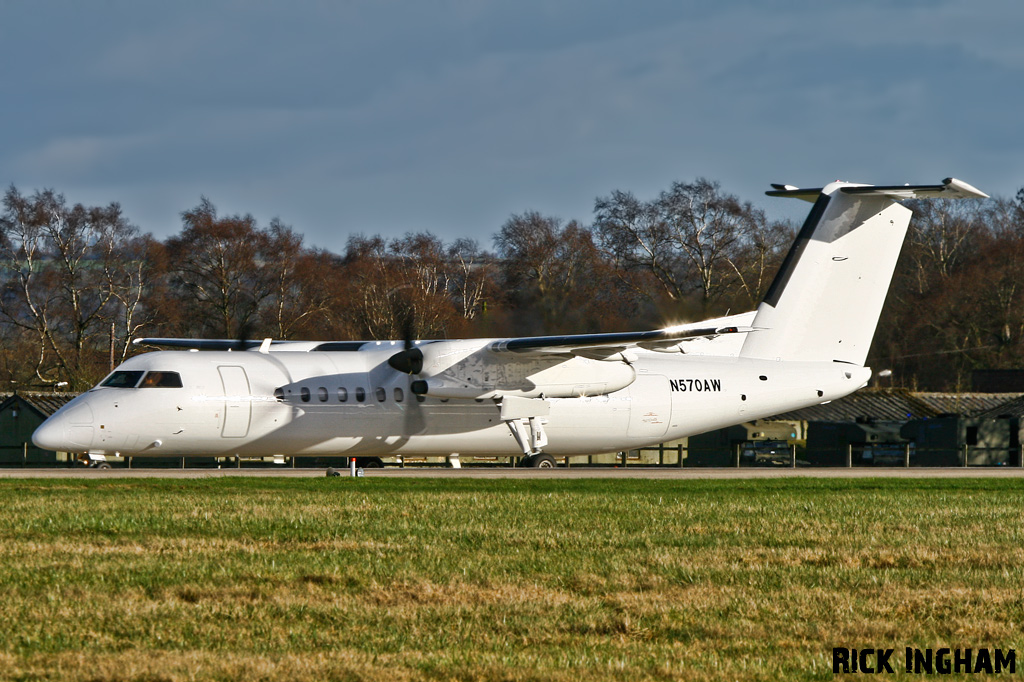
408	361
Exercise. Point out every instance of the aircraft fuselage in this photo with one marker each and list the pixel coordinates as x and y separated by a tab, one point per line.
292	403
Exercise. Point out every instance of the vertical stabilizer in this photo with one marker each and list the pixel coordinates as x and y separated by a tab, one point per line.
825	300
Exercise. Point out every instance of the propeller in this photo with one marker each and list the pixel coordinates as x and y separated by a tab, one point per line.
409	361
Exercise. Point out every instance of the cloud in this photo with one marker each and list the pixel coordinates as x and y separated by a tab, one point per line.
394	116
74	156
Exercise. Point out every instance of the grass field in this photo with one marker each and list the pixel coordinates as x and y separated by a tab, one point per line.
405	579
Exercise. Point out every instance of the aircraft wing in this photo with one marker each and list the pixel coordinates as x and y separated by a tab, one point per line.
588	345
605	345
200	344
264	345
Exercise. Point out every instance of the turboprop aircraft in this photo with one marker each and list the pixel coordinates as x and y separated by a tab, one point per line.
534	397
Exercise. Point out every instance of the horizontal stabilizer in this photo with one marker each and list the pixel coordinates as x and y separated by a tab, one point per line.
793	192
951	188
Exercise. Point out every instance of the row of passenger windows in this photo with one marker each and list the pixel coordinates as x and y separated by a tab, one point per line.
342	394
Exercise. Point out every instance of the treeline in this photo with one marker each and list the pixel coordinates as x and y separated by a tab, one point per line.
78	282
957	300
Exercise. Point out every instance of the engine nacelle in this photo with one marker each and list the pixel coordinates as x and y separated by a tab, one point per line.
485	375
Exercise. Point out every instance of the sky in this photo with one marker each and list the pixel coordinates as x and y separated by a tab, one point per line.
389	117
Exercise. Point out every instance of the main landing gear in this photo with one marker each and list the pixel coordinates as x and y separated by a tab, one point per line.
538	461
525	419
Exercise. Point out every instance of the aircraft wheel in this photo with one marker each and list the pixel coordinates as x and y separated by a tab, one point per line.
543	461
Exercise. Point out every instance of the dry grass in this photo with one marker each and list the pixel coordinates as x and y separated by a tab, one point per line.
376	579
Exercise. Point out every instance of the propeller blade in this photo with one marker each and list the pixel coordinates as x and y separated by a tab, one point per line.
415	420
408	330
409	361
244	332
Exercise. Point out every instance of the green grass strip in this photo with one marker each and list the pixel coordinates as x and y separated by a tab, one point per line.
319	578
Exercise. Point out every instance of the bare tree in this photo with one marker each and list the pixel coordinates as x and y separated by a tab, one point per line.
218	268
471	277
73	272
302	297
635	234
693	239
706	227
956	303
400	287
757	256
556	277
940	237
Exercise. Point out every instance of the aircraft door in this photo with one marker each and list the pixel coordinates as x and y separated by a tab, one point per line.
237	401
650	406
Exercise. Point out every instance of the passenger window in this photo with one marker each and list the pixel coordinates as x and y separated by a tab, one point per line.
161	380
360	394
342	394
399	395
382	395
304	394
123	379
321	393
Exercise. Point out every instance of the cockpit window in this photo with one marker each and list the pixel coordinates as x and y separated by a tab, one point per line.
123	379
161	380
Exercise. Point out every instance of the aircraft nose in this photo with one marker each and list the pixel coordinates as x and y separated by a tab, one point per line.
50	435
70	429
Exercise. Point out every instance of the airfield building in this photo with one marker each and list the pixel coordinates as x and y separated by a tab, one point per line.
20	415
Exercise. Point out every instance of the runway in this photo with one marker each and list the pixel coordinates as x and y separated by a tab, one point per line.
509	473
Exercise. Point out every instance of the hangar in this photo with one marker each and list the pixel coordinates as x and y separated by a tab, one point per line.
20	415
889	427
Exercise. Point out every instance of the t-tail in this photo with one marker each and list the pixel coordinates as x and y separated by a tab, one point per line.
825	301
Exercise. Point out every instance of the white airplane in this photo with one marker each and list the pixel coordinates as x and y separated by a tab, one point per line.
535	397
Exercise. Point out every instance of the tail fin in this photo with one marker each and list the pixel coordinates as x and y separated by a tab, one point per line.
825	300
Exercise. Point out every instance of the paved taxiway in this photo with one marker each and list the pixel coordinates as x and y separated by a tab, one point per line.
571	473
